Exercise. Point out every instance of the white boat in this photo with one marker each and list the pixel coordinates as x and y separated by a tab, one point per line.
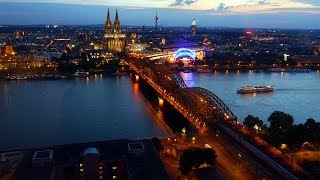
16	77
81	74
254	89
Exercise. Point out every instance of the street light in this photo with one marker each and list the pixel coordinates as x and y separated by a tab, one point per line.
256	127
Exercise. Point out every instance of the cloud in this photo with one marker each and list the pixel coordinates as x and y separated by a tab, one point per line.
183	2
262	2
221	8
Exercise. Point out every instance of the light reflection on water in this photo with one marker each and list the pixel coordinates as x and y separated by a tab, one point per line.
294	93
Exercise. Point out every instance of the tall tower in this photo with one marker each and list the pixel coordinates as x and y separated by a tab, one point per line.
156	20
108	27
194	27
117	28
114	40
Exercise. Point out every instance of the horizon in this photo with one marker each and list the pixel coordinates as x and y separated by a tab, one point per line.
35	13
160	26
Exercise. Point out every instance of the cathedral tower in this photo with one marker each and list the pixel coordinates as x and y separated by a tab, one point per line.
117	25
108	27
114	40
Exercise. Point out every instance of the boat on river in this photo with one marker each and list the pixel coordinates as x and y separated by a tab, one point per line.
254	89
81	74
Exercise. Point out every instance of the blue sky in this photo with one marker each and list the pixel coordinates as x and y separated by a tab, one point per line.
231	13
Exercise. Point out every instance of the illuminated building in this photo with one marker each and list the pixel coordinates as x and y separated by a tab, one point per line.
9	49
114	40
163	41
91	168
183	52
206	44
133	37
137	47
194	27
18	33
285	57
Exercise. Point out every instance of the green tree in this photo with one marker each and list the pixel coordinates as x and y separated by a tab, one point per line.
250	121
295	136
312	131
280	123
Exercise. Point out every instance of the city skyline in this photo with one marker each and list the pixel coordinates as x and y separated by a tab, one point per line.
234	13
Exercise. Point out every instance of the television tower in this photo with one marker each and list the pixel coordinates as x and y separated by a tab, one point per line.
156	19
193	27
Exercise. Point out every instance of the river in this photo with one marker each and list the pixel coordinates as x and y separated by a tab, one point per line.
44	113
297	94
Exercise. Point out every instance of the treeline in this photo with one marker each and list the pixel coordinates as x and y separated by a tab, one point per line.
283	132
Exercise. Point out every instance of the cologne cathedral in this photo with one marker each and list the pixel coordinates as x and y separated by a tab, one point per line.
114	40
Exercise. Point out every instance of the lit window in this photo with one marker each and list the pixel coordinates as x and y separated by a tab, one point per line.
114	167
81	165
100	177
81	170
114	177
100	167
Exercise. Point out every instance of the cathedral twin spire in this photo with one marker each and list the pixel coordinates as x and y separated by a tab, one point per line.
117	25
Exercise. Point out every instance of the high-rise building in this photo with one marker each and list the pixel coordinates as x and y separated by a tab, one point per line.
114	40
193	27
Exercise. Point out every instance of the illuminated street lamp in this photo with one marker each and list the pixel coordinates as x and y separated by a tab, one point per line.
137	77
184	130
256	127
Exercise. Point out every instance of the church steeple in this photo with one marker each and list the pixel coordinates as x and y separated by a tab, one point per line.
108	27
117	28
117	17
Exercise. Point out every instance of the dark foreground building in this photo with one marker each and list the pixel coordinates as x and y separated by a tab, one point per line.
119	159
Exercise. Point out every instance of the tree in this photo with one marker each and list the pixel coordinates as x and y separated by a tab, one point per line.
296	136
250	121
193	158
312	131
280	123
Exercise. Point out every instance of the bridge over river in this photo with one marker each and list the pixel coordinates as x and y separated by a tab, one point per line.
205	110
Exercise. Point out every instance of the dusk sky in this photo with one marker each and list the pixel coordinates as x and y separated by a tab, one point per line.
231	13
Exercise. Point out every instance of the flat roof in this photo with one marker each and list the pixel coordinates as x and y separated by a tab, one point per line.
45	154
138	146
90	151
